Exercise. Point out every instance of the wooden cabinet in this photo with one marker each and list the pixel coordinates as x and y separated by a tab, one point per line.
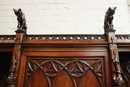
66	60
66	66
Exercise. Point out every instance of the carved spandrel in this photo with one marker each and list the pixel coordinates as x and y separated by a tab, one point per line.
75	69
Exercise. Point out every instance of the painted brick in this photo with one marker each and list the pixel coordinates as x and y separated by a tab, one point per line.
13	25
67	6
83	5
118	24
71	6
34	25
24	7
122	7
7	13
55	1
95	24
117	1
102	1
118	30
43	18
50	1
46	6
64	31
77	1
41	1
40	30
53	24
61	1
27	2
11	31
76	24
28	18
125	18
53	12
126	31
5	31
7	2
5	19
76	12
6	7
64	18
47	31
87	30
33	12
38	13
92	1
14	19
91	17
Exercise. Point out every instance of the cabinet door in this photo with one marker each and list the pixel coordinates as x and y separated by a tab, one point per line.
62	70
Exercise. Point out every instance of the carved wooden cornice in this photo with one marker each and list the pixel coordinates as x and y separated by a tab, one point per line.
83	39
65	37
7	38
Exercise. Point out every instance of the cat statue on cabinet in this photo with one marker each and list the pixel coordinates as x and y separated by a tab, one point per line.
21	19
108	20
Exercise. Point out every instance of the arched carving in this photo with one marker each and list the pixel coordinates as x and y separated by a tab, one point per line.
71	70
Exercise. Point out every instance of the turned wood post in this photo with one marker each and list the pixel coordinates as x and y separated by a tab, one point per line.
13	76
114	59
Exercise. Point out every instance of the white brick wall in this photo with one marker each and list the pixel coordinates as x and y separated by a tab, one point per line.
64	16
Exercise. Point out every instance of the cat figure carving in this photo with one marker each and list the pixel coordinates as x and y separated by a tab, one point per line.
108	20
21	19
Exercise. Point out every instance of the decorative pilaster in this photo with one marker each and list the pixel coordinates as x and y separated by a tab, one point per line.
114	57
12	78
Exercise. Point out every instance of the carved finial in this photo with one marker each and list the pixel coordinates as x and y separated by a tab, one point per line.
108	20
21	20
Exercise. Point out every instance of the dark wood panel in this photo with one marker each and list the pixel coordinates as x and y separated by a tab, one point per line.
63	48
60	68
68	72
67	60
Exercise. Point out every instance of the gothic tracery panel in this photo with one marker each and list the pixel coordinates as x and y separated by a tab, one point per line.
65	72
